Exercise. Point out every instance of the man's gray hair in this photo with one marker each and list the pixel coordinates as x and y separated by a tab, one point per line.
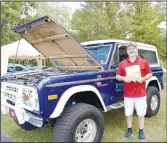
131	44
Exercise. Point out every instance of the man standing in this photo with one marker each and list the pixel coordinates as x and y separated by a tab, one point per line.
134	88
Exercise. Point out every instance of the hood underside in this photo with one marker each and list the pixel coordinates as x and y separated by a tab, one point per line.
53	42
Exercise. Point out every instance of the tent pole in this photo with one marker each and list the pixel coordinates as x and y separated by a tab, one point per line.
16	54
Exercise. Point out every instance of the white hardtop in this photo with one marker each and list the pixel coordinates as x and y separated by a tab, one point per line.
117	41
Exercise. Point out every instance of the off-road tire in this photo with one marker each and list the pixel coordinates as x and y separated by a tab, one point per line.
66	124
152	90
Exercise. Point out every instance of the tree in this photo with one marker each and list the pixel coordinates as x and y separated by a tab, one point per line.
144	28
57	11
101	20
91	22
117	20
14	14
114	20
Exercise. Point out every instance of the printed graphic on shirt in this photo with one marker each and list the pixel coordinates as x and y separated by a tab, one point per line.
133	72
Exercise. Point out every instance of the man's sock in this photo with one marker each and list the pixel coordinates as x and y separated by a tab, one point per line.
130	129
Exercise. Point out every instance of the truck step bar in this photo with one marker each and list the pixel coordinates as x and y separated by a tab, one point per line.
115	105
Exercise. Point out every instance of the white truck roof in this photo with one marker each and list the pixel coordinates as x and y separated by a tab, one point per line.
119	41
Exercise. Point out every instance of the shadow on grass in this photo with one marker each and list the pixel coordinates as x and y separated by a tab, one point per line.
9	127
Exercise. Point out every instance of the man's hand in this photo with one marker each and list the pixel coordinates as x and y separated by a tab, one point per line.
122	78
140	80
126	79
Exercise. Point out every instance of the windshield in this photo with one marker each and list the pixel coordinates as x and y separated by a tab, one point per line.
100	53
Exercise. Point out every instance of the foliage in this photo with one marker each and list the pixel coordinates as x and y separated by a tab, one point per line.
24	62
95	21
57	11
14	14
145	20
33	62
136	21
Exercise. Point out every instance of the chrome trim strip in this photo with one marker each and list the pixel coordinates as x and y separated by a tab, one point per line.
157	72
155	65
112	55
111	47
78	82
102	85
86	81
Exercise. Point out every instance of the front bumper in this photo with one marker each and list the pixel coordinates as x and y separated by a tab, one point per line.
12	99
22	115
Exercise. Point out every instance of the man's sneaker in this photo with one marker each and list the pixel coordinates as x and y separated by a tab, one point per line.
141	135
128	134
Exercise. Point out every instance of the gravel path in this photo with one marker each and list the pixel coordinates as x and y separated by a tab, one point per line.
5	138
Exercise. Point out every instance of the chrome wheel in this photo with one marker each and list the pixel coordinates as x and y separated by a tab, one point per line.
86	131
154	102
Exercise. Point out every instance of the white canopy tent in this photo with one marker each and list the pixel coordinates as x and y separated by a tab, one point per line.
24	50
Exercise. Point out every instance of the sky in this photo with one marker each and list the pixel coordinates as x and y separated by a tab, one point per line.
73	5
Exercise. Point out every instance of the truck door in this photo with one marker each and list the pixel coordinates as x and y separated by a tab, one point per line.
118	55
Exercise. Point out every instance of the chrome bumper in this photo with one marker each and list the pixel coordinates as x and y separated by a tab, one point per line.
22	115
33	119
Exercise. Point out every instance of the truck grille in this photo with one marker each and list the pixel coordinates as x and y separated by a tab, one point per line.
24	96
9	96
11	88
10	93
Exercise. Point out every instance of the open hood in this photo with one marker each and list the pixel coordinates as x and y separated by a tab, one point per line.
53	42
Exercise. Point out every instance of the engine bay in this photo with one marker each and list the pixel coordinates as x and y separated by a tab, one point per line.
29	78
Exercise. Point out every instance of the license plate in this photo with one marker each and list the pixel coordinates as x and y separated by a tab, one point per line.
12	113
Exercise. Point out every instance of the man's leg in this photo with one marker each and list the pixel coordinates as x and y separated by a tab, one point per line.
129	108
129	121
141	122
141	107
141	128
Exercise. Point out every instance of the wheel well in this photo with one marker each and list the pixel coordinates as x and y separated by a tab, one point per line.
88	97
153	83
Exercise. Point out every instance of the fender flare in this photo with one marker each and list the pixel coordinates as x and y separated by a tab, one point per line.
70	92
153	78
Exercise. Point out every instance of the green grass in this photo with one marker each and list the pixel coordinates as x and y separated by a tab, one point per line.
115	126
155	127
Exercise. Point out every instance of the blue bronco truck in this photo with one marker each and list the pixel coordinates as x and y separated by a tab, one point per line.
73	94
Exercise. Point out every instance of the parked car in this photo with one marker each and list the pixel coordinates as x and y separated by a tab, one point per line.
82	87
13	68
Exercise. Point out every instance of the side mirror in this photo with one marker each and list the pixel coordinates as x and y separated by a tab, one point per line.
114	66
10	70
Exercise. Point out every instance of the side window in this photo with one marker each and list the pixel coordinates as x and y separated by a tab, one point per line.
19	69
116	57
114	62
150	56
122	53
119	55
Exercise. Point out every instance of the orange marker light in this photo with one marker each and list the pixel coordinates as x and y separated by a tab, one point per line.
52	97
